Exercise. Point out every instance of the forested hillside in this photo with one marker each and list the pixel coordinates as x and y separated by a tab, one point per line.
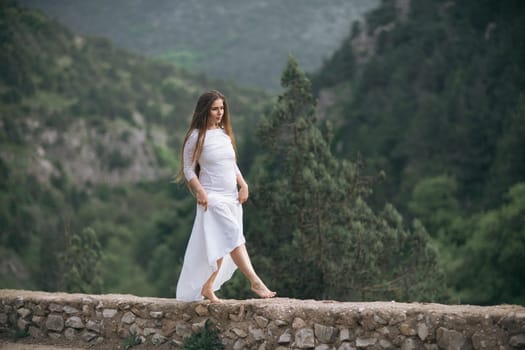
436	98
89	141
428	92
243	41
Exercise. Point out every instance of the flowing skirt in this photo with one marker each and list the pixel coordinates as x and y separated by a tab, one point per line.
216	232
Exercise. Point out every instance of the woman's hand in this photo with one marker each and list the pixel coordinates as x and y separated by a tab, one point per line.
202	199
243	194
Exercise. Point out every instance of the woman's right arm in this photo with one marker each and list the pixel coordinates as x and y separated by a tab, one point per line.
189	169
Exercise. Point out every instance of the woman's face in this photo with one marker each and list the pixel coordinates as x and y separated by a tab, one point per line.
216	113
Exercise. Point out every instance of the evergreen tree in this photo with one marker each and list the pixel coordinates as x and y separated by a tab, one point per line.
493	254
318	237
81	263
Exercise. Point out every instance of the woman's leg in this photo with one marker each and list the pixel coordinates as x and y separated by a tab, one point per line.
207	289
242	260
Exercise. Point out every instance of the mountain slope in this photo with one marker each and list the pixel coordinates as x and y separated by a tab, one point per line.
243	41
436	94
89	138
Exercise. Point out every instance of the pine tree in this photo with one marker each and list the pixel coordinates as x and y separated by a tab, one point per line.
81	262
314	234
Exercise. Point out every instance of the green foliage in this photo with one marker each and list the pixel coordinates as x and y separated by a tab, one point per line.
439	96
206	338
440	107
83	88
320	238
131	340
434	200
81	262
493	254
383	15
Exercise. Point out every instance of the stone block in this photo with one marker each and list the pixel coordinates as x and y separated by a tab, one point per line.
70	334
22	324
55	323
285	338
158	339
168	328
93	326
23	312
345	334
361	342
450	339
325	334
75	322
261	321
422	331
298	323
304	338
256	333
35	332
128	318
70	310
54	307
156	314
517	341
201	310
109	313
241	333
88	336
346	346
407	330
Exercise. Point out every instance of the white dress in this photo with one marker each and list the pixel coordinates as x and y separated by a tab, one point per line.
218	230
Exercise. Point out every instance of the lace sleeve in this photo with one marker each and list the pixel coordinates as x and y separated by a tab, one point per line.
189	150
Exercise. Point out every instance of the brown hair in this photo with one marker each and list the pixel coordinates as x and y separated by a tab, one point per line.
199	122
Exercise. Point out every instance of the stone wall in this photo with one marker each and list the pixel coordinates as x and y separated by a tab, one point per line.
103	321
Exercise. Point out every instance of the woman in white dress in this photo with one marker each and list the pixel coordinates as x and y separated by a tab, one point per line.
217	244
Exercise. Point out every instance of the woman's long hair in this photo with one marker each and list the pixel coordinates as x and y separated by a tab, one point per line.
199	121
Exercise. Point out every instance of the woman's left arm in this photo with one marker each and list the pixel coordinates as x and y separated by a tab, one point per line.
243	187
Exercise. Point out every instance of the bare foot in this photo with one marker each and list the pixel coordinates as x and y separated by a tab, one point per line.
262	291
208	293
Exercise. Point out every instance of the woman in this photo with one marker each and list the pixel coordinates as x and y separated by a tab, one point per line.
217	245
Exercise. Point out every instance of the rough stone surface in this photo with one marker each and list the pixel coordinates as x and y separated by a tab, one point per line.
322	347
422	331
201	310
70	334
55	323
450	339
285	338
109	313
364	342
518	341
104	320
325	334
257	333
70	310
156	314
158	339
23	312
304	338
128	318
53	307
261	321
298	323
93	326
88	336
74	322
345	335
346	346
